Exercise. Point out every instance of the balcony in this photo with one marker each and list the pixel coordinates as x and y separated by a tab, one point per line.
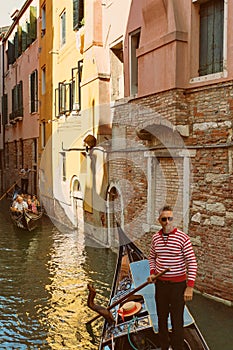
16	115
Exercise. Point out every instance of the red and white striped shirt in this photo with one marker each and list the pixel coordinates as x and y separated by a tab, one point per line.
175	253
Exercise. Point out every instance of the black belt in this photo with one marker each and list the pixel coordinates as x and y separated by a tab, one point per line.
165	282
168	282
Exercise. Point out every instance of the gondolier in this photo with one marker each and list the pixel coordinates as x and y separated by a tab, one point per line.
24	173
132	306
172	248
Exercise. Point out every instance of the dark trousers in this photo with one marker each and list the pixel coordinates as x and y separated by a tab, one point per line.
24	185
170	299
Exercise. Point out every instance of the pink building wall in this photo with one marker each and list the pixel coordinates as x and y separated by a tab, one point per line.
168	53
21	131
21	70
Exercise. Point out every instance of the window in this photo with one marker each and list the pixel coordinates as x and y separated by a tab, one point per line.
33	23
211	37
64	97
63	29
4	109
63	165
78	14
43	20
43	134
117	71
17	101
20	98
134	45
10	52
43	81
76	86
19	33
16	45
33	92
24	36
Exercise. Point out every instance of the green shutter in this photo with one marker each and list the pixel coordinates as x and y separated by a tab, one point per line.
4	109
14	100
24	40
20	99
218	44
211	37
19	40
75	14
78	13
69	104
33	24
16	45
11	52
29	40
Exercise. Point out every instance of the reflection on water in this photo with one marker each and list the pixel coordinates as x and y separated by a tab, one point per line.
44	276
43	292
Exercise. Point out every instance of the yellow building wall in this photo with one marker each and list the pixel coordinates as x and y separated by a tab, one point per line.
45	105
66	129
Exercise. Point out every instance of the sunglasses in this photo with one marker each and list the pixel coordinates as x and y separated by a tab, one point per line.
169	218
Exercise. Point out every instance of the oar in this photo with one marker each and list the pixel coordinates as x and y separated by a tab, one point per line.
128	295
9	189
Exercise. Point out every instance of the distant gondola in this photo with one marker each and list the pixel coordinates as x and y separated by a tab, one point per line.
137	330
25	220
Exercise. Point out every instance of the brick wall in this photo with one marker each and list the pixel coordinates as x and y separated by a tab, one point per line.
204	118
17	154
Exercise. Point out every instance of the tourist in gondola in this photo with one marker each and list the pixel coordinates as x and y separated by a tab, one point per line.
172	248
36	202
19	205
31	205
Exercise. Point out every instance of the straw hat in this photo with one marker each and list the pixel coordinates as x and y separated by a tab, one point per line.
130	308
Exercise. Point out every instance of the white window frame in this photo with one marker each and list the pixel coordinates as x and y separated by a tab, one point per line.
43	20
132	63
224	73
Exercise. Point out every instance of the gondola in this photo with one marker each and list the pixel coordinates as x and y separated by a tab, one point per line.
140	330
25	220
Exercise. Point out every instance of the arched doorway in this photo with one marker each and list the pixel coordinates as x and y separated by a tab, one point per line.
77	203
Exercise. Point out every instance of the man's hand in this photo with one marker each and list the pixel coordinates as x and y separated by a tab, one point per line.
151	279
188	294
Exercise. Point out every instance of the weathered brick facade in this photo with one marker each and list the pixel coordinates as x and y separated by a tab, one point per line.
203	118
17	155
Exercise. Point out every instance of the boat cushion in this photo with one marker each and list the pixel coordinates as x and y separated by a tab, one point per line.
140	270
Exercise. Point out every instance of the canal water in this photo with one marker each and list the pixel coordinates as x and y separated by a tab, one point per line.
43	291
